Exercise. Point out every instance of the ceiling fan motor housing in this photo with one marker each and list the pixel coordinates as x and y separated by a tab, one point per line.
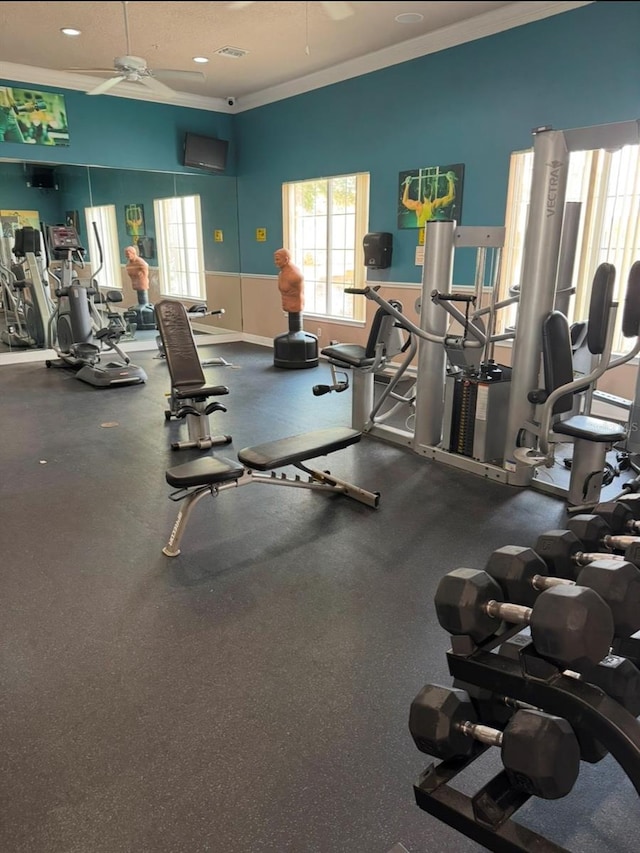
130	63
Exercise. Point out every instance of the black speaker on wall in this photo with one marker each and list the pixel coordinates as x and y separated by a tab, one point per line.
378	248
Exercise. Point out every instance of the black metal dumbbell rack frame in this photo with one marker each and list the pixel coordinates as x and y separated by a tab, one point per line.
487	816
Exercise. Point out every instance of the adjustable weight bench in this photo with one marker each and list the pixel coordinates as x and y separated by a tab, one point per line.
189	390
211	475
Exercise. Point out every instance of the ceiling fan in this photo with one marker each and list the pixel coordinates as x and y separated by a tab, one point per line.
134	69
337	11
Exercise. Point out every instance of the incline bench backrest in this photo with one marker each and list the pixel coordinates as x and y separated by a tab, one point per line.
179	344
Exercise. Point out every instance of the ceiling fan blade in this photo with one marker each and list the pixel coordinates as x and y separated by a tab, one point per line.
106	85
157	86
183	75
338	11
240	4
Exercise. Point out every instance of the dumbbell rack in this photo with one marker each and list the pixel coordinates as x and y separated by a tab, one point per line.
628	647
487	816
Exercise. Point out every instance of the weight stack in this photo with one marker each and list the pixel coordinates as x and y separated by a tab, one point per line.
475	415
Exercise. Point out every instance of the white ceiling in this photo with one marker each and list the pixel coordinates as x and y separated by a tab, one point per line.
292	47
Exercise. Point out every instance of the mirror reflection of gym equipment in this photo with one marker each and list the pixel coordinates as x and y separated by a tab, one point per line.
502	422
76	332
26	297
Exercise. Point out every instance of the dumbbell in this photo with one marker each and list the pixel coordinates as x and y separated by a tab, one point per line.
595	532
540	752
565	553
619	516
632	503
571	625
496	710
522	574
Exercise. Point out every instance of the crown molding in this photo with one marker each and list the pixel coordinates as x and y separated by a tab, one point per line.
82	82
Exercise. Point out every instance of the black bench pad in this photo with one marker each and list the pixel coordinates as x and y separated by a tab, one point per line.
352	354
297	448
593	429
203	471
198	391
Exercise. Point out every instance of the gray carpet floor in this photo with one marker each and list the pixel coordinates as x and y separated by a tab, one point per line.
252	694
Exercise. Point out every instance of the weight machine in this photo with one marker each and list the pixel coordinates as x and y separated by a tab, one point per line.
467	414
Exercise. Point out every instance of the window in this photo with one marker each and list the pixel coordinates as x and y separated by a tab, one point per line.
324	224
180	252
110	275
607	186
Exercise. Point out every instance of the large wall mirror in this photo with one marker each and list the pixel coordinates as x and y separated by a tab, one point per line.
35	194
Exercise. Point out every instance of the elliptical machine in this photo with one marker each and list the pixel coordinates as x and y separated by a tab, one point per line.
76	330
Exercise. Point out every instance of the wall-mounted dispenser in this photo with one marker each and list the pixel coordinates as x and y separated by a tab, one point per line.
378	246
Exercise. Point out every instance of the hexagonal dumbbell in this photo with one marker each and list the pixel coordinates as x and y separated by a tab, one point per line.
540	752
570	625
565	553
632	503
595	534
618	516
522	575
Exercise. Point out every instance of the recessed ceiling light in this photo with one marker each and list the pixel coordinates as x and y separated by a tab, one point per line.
409	18
200	59
70	31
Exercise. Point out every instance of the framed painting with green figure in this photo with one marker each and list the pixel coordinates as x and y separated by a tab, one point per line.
432	192
134	220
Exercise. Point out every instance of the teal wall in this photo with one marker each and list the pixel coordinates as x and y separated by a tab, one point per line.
127	134
142	142
473	104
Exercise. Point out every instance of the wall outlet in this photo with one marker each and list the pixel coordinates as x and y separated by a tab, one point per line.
319	333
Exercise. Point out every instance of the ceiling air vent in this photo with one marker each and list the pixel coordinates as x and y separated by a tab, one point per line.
232	52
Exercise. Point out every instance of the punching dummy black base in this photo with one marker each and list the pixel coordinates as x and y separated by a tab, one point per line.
144	314
296	349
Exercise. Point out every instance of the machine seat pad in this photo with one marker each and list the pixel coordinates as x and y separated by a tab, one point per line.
591	429
297	448
352	354
186	391
203	472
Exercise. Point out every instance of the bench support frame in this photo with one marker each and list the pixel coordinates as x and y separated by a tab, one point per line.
320	481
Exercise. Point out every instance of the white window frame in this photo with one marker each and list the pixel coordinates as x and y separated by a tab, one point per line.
181	268
607	186
325	239
110	275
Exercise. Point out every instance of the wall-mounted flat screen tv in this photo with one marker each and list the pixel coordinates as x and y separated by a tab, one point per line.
205	152
43	178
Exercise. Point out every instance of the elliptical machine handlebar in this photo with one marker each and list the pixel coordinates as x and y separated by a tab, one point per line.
100	254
